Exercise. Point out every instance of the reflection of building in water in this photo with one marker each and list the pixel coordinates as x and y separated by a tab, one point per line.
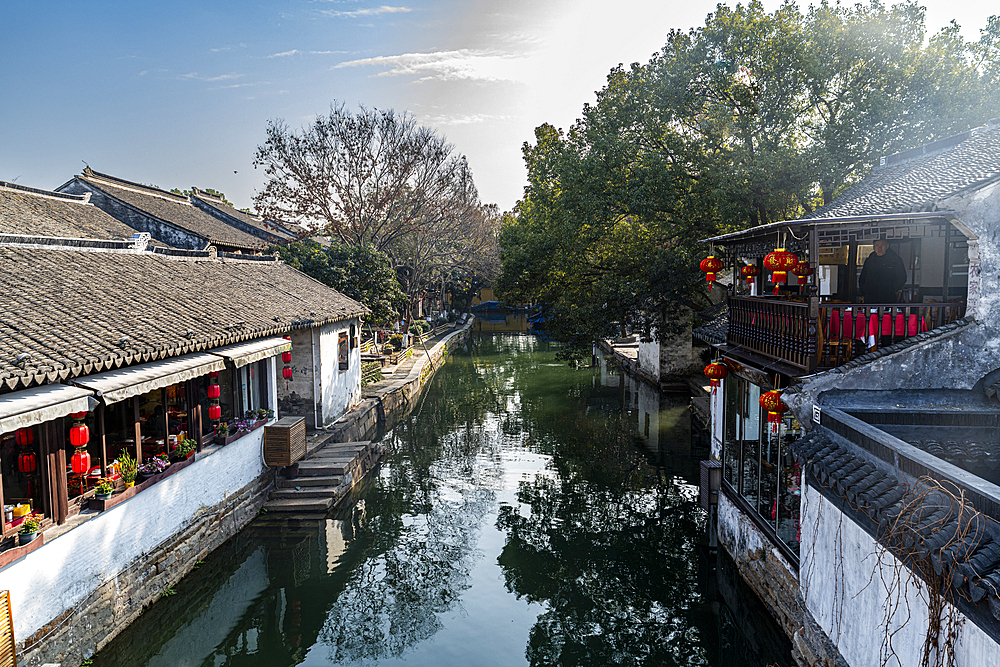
499	322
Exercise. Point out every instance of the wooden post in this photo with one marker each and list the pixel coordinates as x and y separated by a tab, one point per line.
54	441
137	428
99	423
194	414
812	331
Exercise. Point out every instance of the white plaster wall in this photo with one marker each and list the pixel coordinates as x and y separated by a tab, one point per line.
649	357
852	591
82	559
339	389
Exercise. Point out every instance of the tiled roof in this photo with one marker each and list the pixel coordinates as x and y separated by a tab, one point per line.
172	208
939	528
252	220
38	212
714	331
68	308
918	179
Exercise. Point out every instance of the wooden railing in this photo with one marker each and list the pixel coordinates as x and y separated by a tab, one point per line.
781	330
809	336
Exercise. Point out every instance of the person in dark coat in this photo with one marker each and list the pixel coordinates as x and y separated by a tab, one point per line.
882	275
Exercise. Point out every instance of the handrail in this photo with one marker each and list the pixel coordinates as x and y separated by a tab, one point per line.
777	329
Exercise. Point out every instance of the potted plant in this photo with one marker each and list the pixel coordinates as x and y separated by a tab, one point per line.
221	431
127	468
29	529
185	449
104	489
265	413
153	466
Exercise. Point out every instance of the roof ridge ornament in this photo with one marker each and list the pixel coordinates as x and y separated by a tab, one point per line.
140	240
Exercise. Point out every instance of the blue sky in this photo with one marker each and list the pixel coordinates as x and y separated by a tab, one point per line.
179	93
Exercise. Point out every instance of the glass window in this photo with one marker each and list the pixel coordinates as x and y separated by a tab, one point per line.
757	462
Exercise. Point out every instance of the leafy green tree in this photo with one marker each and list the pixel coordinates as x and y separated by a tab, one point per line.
360	272
751	118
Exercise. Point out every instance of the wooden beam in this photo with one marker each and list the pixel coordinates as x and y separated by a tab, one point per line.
137	429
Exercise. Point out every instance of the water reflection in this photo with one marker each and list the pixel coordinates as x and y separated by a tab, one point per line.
527	515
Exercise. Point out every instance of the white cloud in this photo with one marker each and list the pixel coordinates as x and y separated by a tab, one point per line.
461	64
468	119
220	77
326	53
373	11
284	54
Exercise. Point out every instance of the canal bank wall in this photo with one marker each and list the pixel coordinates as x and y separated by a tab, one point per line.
109	566
384	401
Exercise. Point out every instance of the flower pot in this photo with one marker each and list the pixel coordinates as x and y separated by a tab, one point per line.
102	496
24	538
129	485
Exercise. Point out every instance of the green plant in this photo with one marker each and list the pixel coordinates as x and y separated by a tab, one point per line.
264	413
388	349
396	340
168	591
186	446
104	487
30	524
222	430
127	467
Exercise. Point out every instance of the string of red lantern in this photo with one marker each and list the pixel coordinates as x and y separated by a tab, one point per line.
750	271
803	271
213	391
286	358
79	436
780	262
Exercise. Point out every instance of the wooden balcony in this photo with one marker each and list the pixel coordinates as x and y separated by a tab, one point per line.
809	336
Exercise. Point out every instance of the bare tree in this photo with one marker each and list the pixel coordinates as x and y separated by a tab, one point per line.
376	178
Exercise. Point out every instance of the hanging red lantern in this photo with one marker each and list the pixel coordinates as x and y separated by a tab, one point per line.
24	437
80	462
213	374
780	262
26	462
215	412
286	373
711	265
79	434
286	357
803	271
715	373
771	401
213	391
750	271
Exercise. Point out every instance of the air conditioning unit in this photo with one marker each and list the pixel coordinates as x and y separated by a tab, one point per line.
285	441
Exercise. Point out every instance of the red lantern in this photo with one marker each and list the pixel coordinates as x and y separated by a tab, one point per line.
771	401
803	271
286	357
213	374
750	271
780	262
24	436
213	391
215	412
26	462
710	265
715	373
81	462
286	373
79	435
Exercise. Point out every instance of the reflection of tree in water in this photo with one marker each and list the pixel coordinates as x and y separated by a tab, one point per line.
426	509
616	571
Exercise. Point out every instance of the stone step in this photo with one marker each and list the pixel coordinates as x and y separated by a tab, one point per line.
322	469
328	452
305	492
299	505
321	480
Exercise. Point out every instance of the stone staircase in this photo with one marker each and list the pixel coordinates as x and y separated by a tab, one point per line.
323	478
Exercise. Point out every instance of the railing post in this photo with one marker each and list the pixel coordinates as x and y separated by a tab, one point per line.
811	333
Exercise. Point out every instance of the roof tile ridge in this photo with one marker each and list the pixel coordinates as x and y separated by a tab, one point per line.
49	194
96	176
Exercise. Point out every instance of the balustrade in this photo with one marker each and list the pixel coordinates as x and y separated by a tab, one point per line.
808	335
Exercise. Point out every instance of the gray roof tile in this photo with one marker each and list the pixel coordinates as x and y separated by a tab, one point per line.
68	308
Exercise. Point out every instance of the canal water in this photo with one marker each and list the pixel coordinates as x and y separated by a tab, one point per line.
527	514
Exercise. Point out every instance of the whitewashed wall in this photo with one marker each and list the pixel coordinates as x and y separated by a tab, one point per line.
64	572
844	578
340	389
